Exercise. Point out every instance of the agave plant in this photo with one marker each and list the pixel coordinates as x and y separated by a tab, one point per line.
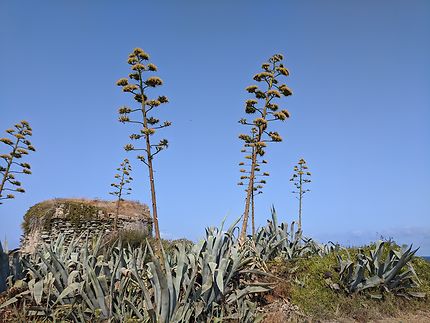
82	283
4	268
322	249
225	276
10	267
281	240
209	283
383	269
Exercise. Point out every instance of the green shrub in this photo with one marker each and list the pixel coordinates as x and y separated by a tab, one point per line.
309	281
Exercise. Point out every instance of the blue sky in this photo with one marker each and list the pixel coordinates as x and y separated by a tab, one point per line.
360	111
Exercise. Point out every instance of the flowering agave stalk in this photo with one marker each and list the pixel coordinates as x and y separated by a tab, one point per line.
300	178
266	109
19	146
257	184
137	84
120	188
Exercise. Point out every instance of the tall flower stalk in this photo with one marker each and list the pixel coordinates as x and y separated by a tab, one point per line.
10	166
258	183
266	110
138	84
300	178
123	178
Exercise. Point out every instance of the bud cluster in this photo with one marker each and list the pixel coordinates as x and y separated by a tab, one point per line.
123	178
300	177
258	183
10	166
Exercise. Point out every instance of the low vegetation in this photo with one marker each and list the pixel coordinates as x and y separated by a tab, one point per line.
137	238
216	279
308	284
196	283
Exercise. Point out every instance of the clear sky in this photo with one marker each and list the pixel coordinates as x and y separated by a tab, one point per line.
360	71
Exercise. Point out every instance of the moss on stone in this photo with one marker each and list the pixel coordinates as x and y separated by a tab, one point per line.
78	213
39	216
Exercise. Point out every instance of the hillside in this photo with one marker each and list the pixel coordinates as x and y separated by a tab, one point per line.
303	293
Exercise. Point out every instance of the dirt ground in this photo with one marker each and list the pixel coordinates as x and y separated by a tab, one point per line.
283	311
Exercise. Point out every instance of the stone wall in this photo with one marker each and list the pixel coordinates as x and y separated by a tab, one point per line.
80	218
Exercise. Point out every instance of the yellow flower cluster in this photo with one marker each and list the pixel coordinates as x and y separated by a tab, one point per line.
140	53
286	91
122	82
154	81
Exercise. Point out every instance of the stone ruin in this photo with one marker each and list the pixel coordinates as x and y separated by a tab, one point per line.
45	221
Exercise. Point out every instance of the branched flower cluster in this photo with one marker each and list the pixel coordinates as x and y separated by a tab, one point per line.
139	81
300	178
19	146
123	178
265	109
137	85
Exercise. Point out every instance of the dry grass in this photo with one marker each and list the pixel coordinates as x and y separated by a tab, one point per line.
128	209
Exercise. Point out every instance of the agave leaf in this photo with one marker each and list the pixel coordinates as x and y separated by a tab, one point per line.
370	283
37	292
59	267
14	299
417	294
198	308
188	295
208	284
234	297
135	310
376	296
73	287
231	228
180	268
220	281
358	275
405	257
57	274
103	283
146	294
100	294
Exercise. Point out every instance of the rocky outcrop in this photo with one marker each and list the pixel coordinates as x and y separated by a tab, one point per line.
80	218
